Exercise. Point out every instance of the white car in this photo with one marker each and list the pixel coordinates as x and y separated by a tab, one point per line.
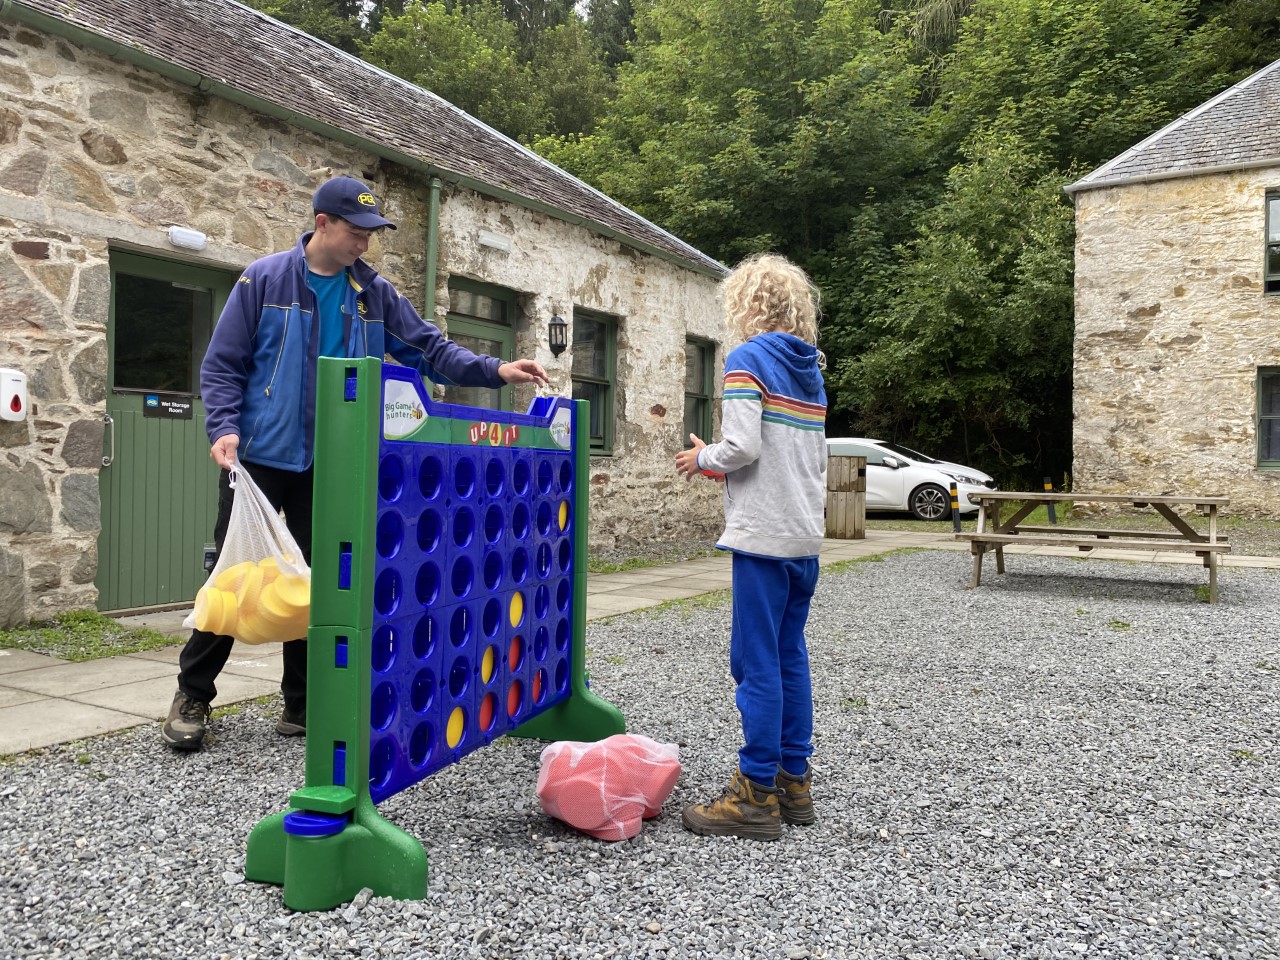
899	478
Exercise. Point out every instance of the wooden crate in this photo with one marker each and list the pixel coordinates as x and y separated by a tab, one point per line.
847	498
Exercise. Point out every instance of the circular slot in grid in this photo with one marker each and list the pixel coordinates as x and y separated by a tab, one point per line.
564	596
430	527
541	643
516	611
539	685
386	592
495	477
542	560
390	478
566	556
515	653
515	693
519	564
566	476
520	475
492	570
562	676
491	617
427	584
463	577
382	761
460	627
464	477
464	526
487	713
546	475
459	677
562	515
422	692
383	707
488	663
456	728
541	602
425	637
430	477
544	518
422	743
520	521
390	534
562	634
384	648
495	524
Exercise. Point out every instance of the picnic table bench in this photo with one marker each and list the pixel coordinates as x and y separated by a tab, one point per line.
993	533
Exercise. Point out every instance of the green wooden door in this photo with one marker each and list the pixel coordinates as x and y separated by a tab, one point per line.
158	485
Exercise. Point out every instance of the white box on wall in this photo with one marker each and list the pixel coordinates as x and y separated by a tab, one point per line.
13	394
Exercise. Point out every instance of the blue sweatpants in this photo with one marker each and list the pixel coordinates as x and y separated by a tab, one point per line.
770	662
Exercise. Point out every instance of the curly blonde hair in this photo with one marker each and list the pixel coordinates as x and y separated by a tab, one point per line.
767	292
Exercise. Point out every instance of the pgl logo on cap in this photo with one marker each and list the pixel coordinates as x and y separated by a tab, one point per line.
367	200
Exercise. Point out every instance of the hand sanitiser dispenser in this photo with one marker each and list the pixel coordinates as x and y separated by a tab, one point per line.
13	394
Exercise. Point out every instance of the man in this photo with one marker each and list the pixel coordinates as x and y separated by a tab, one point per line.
258	382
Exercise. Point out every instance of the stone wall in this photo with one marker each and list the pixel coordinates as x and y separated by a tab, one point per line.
96	154
1171	328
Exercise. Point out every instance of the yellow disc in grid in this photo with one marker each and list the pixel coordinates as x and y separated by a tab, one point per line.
457	722
564	514
517	608
486	665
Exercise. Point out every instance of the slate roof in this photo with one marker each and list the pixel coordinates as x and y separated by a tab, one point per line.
1235	130
218	44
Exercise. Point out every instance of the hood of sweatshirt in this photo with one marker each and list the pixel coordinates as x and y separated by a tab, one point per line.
798	358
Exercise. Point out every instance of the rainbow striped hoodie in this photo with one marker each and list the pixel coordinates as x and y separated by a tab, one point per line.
774	450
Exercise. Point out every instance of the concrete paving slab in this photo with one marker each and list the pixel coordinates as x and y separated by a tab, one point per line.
166	621
666	590
12	696
12	661
262	668
69	679
608	605
43	723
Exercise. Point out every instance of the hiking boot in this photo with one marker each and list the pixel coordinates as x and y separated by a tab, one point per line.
187	724
745	809
794	803
292	724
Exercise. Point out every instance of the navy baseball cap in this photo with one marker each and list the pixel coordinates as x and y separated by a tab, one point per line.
348	198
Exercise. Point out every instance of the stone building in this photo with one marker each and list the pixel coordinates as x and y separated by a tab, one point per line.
1177	308
150	149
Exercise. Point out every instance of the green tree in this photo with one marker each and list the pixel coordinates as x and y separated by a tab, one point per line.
339	23
569	73
468	56
612	23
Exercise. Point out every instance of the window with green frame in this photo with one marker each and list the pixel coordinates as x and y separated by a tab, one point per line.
699	380
594	372
481	318
1271	272
1269	418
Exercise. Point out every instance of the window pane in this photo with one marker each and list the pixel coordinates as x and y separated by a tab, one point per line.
156	322
596	394
590	348
695	367
695	419
475	396
1269	401
1273	219
1273	260
468	303
1269	448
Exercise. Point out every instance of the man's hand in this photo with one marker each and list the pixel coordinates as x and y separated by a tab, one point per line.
224	449
523	371
687	460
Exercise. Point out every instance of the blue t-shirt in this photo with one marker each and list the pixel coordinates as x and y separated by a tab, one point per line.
330	293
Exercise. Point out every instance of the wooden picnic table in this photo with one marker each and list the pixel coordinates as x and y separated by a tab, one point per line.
995	533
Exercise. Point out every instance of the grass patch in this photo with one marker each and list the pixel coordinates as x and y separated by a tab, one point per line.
1245	756
83	635
853	703
1118	625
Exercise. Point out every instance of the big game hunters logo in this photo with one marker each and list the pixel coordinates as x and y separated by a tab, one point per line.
402	410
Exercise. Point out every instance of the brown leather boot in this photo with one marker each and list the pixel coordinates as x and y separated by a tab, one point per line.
745	809
794	803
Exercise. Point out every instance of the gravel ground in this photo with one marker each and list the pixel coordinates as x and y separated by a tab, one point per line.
1076	760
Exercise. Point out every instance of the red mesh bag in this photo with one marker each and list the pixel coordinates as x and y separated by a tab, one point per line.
607	788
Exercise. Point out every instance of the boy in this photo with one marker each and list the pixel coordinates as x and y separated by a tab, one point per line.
773	456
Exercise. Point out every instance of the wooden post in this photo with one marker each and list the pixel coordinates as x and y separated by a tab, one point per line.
847	498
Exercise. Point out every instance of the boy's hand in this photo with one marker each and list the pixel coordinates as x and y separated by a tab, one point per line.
523	371
687	460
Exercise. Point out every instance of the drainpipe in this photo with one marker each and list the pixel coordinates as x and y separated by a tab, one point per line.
433	250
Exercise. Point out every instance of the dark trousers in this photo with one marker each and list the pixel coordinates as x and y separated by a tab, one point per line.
206	653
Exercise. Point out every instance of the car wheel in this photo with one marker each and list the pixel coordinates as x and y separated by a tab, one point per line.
930	502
